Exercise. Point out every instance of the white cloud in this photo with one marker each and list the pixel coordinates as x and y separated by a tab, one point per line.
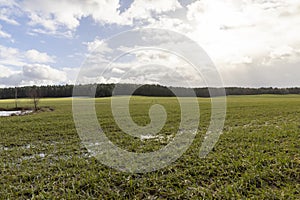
34	74
43	72
10	56
63	15
6	18
170	23
8	3
5	71
38	57
97	45
117	71
248	40
8	8
60	34
46	22
236	29
145	9
278	75
137	66
4	34
22	68
14	57
282	52
71	74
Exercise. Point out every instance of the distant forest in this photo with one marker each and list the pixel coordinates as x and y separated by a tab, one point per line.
106	90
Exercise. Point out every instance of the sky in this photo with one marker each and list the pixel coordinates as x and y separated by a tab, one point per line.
252	43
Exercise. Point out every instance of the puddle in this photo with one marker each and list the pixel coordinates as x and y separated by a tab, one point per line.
18	112
147	137
167	137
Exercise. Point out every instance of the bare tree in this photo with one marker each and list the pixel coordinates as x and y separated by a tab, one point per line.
35	96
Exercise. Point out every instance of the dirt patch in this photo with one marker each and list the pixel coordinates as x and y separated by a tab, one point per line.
45	109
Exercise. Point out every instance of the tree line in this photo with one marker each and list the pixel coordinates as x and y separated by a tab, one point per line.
107	90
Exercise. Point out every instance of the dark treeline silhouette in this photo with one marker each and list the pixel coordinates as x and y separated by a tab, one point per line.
107	90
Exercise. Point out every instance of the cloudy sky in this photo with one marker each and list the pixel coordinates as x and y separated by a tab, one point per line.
252	43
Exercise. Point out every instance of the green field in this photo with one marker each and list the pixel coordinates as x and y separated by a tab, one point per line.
256	157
